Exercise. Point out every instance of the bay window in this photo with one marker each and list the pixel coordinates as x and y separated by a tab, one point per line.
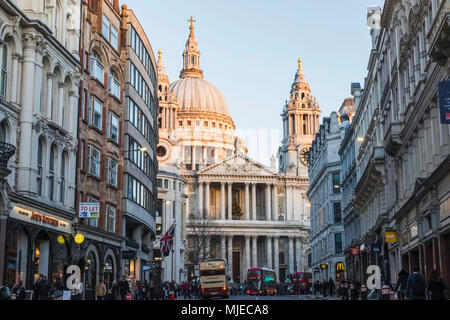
3	70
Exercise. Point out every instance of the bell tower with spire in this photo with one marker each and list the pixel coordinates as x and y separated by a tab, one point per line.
300	123
191	56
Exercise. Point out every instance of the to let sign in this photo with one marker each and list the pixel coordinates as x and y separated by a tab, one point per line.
89	210
444	101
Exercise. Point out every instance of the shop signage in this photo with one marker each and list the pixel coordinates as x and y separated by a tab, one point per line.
146	267
354	251
196	267
390	236
129	255
61	240
444	101
323	266
316	269
89	210
375	249
45	220
339	266
79	238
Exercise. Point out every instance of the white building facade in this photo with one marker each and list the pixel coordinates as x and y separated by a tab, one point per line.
39	44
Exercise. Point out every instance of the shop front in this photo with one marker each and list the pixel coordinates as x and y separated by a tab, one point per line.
37	243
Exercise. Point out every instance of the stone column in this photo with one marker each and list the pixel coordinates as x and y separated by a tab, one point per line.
193	156
200	199
269	251
222	201
26	114
15	77
275	202
247	253
50	77
73	118
275	257
229	201
254	201
298	251
247	204
207	200
254	251
268	211
291	254
222	247
230	257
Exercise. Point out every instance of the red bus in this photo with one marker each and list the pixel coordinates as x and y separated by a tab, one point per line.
261	281
301	278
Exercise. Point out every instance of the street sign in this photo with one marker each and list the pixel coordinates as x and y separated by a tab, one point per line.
444	101
61	240
89	210
376	249
129	255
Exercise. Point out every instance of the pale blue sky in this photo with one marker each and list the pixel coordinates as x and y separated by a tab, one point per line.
250	49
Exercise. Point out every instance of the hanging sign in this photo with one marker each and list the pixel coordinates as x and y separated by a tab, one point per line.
444	101
79	238
390	236
323	266
339	266
89	210
354	251
61	240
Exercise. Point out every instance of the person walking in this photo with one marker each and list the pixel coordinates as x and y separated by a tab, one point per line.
115	291
331	287
44	289
19	291
123	288
100	291
436	286
415	286
400	287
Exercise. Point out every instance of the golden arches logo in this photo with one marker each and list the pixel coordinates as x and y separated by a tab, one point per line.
339	266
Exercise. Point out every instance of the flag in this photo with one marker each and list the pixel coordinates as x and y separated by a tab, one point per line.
166	241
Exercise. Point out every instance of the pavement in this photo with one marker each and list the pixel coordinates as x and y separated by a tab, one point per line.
276	297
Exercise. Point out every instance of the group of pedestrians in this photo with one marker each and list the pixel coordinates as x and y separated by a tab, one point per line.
326	288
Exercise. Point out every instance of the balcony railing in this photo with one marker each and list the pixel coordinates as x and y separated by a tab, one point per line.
6	152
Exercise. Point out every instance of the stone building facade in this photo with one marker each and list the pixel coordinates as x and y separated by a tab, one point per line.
39	83
100	157
325	194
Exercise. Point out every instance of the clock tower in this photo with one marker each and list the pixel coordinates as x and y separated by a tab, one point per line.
300	123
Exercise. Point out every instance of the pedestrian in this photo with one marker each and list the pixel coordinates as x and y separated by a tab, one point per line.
19	291
5	292
36	287
123	288
363	292
115	291
100	291
436	286
415	286
400	287
44	289
331	287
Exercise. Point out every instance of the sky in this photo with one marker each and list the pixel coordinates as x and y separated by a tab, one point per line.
249	51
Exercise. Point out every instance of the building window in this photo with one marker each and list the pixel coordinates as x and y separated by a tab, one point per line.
138	193
39	167
3	70
94	161
338	242
105	28
110	218
52	173
98	112
114	84
158	183
336	183
97	69
111	169
166	184
63	179
93	222
337	212
113	127
114	38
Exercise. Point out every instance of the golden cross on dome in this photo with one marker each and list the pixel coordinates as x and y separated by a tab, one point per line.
299	63
191	20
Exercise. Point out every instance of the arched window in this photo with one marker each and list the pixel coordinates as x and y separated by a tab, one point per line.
97	70
39	167
114	84
3	132
3	70
160	88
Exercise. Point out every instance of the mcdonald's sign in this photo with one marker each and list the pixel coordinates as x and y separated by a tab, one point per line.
390	236
340	266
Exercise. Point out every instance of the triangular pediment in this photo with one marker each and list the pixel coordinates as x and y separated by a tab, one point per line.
237	164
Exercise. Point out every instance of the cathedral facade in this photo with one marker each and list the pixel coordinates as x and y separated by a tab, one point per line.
235	208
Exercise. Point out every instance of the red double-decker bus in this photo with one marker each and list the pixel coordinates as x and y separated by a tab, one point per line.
261	281
301	278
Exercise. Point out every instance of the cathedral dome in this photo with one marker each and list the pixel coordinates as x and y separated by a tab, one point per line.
197	94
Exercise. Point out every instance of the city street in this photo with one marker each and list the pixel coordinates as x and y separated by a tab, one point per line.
276	297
